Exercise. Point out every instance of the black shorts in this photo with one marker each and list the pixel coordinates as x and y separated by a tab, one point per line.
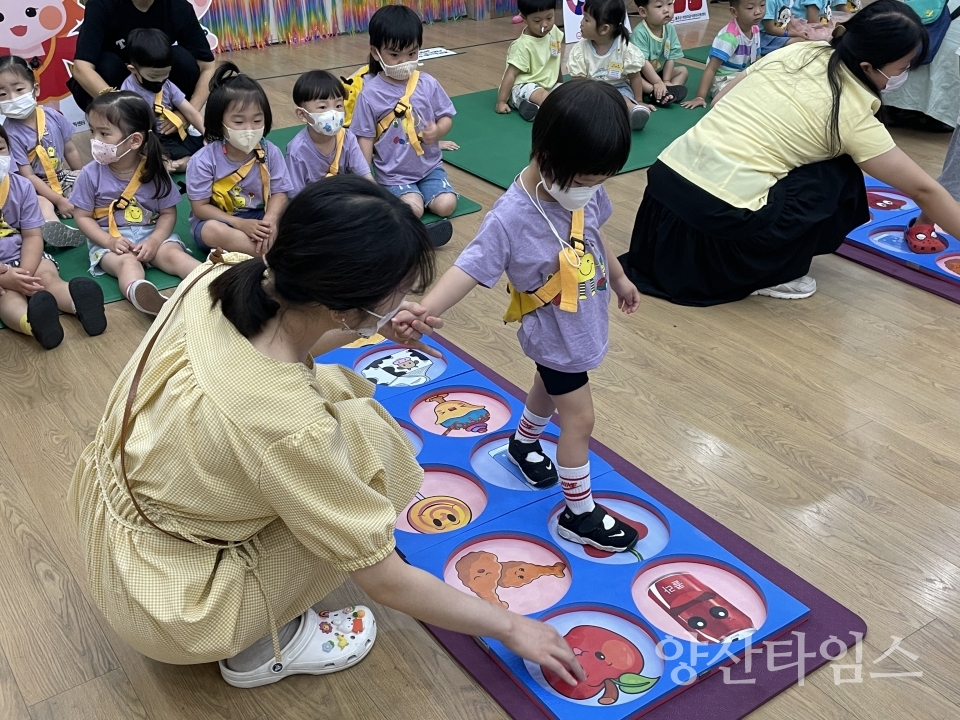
561	383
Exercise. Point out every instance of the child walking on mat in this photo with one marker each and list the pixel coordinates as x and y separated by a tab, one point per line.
735	48
41	148
127	203
657	39
325	147
32	294
544	233
400	118
151	58
533	60
238	182
606	54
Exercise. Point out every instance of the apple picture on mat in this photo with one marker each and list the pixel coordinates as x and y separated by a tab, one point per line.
611	662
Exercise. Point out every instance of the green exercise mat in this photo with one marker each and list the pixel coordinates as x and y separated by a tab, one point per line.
697	54
497	147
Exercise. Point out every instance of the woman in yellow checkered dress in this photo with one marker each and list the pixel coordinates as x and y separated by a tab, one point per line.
232	483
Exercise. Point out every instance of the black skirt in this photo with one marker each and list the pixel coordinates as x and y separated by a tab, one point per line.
691	248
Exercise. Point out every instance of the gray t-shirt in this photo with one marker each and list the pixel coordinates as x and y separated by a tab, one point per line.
515	239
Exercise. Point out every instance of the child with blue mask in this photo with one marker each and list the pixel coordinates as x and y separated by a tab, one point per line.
324	147
544	233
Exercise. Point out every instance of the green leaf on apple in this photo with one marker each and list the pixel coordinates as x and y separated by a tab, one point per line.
633	684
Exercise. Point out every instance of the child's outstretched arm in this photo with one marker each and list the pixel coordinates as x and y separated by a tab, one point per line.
449	290
72	155
147	250
628	297
506	85
192	115
713	64
403	587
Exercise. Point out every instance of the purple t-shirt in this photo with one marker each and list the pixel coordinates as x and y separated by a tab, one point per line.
306	164
395	162
97	187
20	212
211	163
172	97
23	138
516	239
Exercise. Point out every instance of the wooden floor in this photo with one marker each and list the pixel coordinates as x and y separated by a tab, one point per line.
824	431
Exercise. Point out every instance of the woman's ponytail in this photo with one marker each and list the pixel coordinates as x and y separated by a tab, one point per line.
243	298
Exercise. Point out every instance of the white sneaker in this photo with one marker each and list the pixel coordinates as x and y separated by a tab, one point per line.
324	643
797	289
638	117
145	297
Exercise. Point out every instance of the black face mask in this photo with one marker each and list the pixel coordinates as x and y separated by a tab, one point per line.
153	86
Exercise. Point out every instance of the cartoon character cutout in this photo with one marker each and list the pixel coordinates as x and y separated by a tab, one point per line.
459	414
438	514
482	573
784	16
403	368
238	198
5	229
133	213
612	665
200	8
882	202
699	610
826	15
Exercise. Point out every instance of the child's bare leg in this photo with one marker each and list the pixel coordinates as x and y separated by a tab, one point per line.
53	284
47	210
576	426
13	309
415	201
538	96
172	259
216	234
678	76
443	204
125	268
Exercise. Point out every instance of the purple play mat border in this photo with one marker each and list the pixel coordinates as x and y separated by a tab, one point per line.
886	265
710	698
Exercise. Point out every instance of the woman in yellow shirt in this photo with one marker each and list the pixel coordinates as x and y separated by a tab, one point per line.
771	176
233	484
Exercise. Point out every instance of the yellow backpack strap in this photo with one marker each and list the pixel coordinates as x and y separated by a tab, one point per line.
40	153
168	114
402	111
335	164
220	192
121	203
5	229
564	283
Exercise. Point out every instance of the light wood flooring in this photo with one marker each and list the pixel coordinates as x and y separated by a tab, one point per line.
824	431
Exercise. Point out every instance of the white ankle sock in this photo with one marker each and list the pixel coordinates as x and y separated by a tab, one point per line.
575	483
530	428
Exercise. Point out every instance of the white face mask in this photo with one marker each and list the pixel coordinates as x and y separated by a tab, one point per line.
894	82
20	107
564	243
105	153
369	332
243	140
4	166
400	71
573	198
326	123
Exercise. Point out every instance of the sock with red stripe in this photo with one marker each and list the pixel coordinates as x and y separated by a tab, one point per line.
530	427
575	483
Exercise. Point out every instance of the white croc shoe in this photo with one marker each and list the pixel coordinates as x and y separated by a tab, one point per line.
802	287
324	643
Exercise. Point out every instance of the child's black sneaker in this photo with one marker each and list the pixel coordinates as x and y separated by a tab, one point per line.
88	301
527	110
537	469
597	528
44	318
440	232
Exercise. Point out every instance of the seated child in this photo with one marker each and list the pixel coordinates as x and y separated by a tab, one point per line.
543	232
403	147
41	148
238	183
776	30
606	54
33	293
325	147
533	60
151	58
735	48
657	39
127	203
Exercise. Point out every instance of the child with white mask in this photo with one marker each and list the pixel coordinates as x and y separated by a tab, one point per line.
324	147
238	182
126	203
41	149
401	116
544	233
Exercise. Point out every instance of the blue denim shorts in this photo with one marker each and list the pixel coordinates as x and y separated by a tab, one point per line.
135	234
241	214
769	43
434	184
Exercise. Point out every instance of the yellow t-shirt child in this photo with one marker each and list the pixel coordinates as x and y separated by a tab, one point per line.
538	60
